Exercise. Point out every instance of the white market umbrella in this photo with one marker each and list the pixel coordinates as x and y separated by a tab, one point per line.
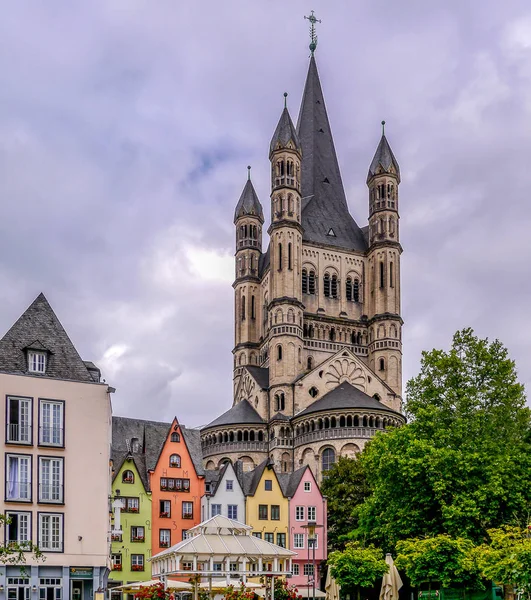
391	581
331	587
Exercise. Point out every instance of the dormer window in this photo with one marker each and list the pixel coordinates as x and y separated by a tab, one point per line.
36	362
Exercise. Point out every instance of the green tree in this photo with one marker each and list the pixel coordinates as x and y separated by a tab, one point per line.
440	559
356	566
345	488
463	463
14	553
507	558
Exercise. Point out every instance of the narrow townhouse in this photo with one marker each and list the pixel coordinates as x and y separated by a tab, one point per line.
224	493
56	440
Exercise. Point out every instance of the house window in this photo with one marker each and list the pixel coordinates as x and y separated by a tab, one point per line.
229	485
116	562
298	541
137	562
18	528
164	538
137	534
269	537
262	512
51	419
132	505
218	566
18	588
128	477
175	437
281	540
275	512
268	485
328	458
232	511
165	509
18	477
50	532
307	486
36	362
311	513
175	460
18	420
185	534
187	566
257	534
294	569
50	479
172	484
188	510
308	570
215	509
299	513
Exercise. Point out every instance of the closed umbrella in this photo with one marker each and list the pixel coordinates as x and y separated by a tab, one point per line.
391	581
331	587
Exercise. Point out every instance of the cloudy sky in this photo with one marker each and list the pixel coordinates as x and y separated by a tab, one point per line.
126	127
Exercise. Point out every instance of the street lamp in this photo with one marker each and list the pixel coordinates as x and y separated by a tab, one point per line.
312	539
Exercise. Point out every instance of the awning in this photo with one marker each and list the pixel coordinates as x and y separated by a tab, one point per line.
171	584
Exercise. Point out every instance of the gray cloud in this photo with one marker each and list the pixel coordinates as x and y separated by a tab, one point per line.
126	127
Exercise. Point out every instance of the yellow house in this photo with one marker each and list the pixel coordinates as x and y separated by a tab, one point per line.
266	507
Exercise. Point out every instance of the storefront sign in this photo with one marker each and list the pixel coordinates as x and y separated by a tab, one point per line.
81	572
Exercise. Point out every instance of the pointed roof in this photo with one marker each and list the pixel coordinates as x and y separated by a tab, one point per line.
240	414
284	134
248	204
291	481
40	328
385	159
324	202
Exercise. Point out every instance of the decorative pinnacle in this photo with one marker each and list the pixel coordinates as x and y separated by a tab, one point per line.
383	127
249	172
285	99
313	36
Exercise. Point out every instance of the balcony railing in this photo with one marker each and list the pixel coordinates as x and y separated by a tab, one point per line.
50	492
235	447
288	442
18	433
336	433
18	490
51	436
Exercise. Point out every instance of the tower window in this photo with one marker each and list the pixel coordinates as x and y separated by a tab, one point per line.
333	334
289	256
356	290
326	286
349	289
333	287
391	275
280	401
382	364
382	275
304	281
311	282
253	309
279	352
313	391
243	308
328	458
280	257
310	363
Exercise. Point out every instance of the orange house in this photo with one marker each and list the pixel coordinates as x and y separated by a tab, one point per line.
177	484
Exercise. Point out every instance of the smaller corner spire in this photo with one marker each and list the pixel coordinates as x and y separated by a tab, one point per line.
313	36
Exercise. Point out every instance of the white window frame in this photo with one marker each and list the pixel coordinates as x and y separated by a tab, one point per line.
229	487
45	541
51	423
312	513
295	569
165	536
299	541
51	477
188	504
116	558
308	570
299	513
137	560
22	478
14	584
36	361
21	432
21	539
215	511
307	486
55	583
234	508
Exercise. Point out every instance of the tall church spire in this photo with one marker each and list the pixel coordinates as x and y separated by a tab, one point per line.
326	218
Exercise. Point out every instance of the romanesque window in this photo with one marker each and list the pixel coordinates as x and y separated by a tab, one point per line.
279	352
382	364
310	363
332	334
348	289
310	331
280	402
253	308
333	286
304	281
313	391
243	308
280	257
311	282
356	290
382	275
326	286
328	458
391	275
289	257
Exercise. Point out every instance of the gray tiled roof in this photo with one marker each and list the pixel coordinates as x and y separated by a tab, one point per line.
325	207
251	479
385	158
264	261
248	204
284	133
241	413
192	437
344	396
260	375
40	328
289	482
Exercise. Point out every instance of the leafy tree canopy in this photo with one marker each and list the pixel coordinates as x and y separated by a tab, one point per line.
345	487
14	553
463	463
357	566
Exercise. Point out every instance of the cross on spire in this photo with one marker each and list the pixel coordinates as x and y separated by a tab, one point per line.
313	36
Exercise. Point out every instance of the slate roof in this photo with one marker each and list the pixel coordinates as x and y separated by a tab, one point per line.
279	417
241	413
325	206
260	375
385	158
251	479
289	482
39	328
264	261
248	204
345	396
284	133
192	437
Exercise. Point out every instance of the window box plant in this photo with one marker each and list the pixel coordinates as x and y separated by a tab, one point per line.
132	509
188	516
138	538
164	515
137	567
164	544
117	567
116	537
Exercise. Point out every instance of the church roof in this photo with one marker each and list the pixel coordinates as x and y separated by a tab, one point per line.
40	329
384	158
325	215
284	133
260	375
345	396
241	413
248	204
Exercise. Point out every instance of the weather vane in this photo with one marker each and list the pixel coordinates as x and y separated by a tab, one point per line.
313	36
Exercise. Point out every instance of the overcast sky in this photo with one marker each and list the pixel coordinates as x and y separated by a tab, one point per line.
125	132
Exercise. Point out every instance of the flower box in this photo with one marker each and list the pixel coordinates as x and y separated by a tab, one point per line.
117	567
188	516
132	509
137	567
116	537
164	515
128	480
138	538
164	544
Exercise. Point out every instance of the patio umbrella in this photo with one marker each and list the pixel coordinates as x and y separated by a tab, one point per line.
391	581
331	587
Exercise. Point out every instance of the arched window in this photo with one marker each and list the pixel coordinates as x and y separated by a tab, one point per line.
382	364
382	275
281	401
289	257
348	289
253	307
279	352
310	363
332	334
328	458
391	275
128	477
243	308
326	285
310	331
304	281
356	290
175	437
175	461
311	282
333	287
280	257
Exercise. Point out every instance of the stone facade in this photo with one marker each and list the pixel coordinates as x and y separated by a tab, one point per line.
318	331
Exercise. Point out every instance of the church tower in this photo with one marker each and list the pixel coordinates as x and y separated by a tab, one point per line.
385	323
285	307
248	219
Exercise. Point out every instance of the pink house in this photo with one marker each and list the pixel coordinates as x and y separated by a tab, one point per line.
306	506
